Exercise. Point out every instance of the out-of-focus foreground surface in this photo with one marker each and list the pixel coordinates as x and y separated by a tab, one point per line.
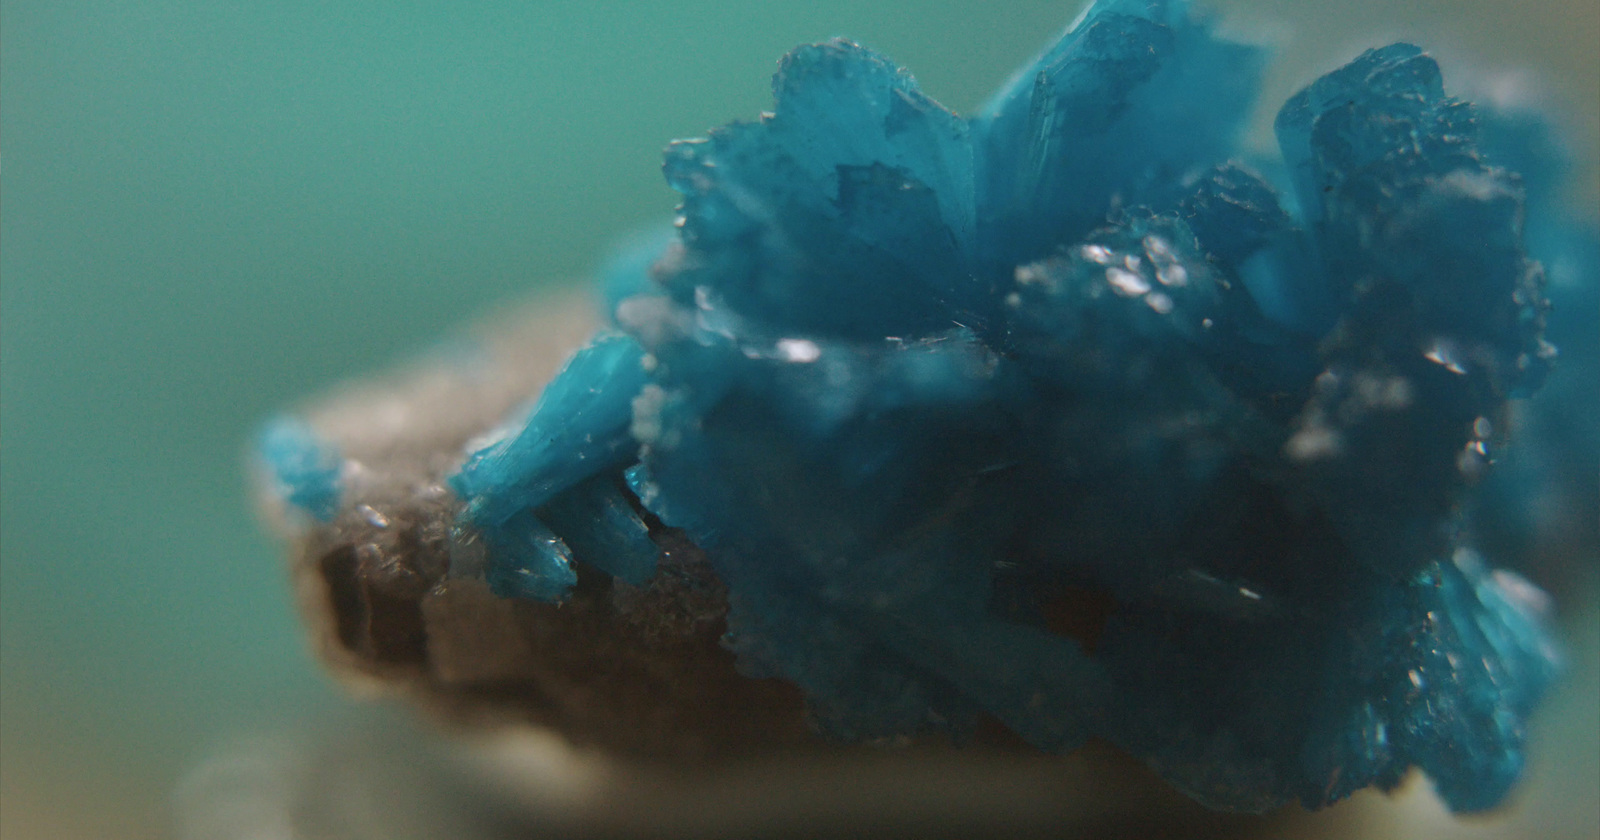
211	212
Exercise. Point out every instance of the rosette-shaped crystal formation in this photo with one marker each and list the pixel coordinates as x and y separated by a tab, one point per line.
1057	415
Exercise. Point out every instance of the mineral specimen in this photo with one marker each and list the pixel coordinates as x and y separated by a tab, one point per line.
1061	416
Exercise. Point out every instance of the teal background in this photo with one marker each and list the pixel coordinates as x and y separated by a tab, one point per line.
213	209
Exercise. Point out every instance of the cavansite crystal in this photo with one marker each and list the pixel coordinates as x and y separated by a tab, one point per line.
1069	415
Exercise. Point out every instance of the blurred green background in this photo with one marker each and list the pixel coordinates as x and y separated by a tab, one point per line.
213	209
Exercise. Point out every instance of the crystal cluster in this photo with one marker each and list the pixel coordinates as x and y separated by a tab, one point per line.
1061	416
305	469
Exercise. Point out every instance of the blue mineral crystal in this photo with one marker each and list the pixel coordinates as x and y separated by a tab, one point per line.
303	469
1059	415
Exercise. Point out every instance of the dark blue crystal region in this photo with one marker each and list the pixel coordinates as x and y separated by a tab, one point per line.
1059	415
